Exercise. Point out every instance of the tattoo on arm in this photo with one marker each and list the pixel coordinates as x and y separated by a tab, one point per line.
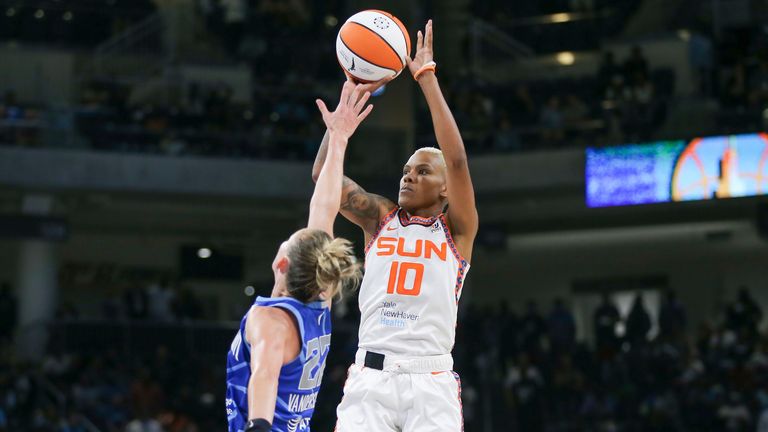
359	202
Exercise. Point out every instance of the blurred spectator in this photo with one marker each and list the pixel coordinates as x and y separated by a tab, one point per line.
522	106
508	342
146	396
638	109
505	137
734	93
759	359
762	425
744	314
636	65
8	312
144	425
187	305
481	113
734	414
552	120
616	93
72	422
111	307
642	89
605	320
598	407
161	298
524	387
638	322
235	14
607	72
533	327
567	386
672	317
136	302
615	100
562	328
758	86
660	412
575	110
8	103
173	145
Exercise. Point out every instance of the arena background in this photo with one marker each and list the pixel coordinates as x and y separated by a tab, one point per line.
154	154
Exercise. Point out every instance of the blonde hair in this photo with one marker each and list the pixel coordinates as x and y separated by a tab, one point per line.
321	265
434	151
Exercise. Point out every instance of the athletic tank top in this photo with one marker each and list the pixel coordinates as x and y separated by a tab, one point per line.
299	380
411	288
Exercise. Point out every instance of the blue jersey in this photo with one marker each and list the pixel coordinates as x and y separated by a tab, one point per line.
299	380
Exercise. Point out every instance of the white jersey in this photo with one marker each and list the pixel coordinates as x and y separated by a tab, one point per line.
410	292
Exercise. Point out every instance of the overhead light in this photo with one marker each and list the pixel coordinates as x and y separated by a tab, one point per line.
684	34
10	12
559	18
67	16
204	253
39	14
565	58
250	290
331	21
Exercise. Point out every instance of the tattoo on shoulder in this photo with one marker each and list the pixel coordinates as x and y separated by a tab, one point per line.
359	202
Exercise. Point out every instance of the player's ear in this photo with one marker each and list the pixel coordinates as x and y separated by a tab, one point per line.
283	264
444	191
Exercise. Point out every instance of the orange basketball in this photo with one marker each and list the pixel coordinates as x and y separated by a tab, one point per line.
372	45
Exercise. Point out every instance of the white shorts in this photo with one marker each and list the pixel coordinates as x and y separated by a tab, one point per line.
403	397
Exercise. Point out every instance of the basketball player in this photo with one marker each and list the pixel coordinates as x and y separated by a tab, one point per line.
276	361
417	256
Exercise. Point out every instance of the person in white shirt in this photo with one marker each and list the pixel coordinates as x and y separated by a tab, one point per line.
417	257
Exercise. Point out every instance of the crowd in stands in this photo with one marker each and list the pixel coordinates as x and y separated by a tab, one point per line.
741	78
80	23
520	372
160	301
535	375
579	25
205	120
278	121
262	32
624	102
111	392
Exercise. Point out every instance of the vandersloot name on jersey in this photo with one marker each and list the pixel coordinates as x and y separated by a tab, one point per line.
301	402
391	317
296	403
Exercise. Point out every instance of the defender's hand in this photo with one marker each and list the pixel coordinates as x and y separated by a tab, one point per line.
349	113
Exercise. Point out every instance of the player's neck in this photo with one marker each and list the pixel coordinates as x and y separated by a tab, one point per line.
279	290
428	212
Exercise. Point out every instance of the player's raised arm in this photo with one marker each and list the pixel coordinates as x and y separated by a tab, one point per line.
358	206
462	213
341	124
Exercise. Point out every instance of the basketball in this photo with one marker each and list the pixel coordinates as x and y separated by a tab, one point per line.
372	45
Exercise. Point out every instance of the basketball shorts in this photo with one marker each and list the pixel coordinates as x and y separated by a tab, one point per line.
401	395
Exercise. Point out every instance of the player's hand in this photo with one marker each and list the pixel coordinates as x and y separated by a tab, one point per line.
370	87
424	52
349	113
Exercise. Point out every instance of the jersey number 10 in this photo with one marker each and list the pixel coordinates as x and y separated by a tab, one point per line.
398	274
